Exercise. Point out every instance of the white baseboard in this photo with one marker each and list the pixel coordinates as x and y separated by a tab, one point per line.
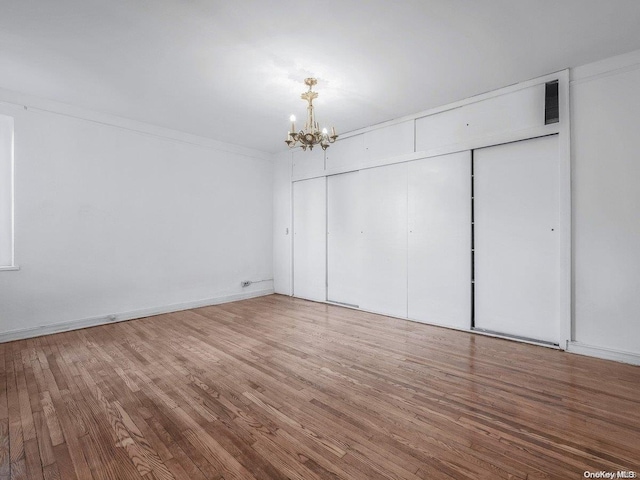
606	353
122	316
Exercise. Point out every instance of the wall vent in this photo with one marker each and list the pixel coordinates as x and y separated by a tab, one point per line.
551	103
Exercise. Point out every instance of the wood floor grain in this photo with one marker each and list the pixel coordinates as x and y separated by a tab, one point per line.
281	388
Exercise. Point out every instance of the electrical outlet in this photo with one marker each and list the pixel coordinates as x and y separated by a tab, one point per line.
246	283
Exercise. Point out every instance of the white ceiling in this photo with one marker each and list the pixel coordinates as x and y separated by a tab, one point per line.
233	70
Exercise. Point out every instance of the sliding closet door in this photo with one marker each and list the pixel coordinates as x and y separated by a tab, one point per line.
517	248
439	279
384	240
344	244
309	239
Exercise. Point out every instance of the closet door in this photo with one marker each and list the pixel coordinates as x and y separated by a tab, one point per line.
309	239
384	240
439	279
344	238
517	248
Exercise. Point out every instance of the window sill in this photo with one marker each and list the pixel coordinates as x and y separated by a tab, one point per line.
9	268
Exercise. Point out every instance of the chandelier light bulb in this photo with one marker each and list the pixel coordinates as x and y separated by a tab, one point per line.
311	135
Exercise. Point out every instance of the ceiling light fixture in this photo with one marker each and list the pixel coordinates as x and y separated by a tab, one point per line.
311	135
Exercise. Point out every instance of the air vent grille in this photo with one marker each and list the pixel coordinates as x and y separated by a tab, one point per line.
551	103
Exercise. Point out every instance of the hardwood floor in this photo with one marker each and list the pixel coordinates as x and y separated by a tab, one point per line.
277	388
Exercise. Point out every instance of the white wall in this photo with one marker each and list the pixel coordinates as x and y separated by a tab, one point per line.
606	204
111	221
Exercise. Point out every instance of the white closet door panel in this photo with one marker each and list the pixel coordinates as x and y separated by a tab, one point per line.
384	240
343	238
307	164
517	248
346	154
439	270
309	239
387	142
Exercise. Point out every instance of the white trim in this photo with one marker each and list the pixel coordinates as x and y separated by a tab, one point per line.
608	73
609	66
471	144
45	106
9	268
12	172
12	203
606	353
291	236
122	316
516	339
565	215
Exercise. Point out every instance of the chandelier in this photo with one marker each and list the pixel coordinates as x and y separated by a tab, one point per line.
311	135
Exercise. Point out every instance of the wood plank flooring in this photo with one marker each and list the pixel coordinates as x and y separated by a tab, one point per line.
275	388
